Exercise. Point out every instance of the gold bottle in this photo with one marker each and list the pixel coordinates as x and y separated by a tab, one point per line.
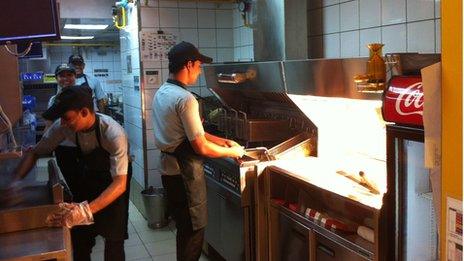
376	68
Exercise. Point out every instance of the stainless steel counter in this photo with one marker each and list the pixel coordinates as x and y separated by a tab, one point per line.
36	244
24	234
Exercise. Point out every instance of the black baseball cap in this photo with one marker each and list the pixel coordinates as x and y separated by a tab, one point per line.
185	51
76	58
71	98
64	68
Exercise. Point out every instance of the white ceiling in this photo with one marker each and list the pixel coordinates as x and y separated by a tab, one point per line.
89	12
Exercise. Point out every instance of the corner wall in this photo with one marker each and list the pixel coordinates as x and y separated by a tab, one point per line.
451	109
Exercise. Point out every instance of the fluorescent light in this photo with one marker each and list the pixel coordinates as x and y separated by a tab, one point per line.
86	26
66	37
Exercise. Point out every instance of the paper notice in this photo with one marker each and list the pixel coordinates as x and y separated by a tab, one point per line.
431	82
453	229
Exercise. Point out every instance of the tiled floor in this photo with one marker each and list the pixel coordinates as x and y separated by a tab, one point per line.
144	243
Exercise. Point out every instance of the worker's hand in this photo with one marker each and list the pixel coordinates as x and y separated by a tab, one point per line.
71	214
231	143
237	151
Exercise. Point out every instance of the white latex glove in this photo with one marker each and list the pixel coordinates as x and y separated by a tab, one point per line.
71	214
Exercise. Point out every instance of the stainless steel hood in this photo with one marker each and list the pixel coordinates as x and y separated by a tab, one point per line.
316	77
280	30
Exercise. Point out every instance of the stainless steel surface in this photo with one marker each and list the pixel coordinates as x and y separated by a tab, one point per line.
268	78
277	35
32	203
269	38
233	78
25	218
54	182
409	63
300	145
294	240
225	231
39	244
326	78
24	234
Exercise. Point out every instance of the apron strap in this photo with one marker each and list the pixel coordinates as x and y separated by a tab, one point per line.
97	133
86	81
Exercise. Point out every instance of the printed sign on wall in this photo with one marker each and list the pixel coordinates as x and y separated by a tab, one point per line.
154	46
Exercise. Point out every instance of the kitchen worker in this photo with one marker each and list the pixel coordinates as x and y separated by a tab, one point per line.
101	194
180	136
99	96
65	153
65	75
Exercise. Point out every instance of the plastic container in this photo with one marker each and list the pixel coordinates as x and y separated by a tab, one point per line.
155	207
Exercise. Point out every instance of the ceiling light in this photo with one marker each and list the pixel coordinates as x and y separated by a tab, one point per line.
65	37
86	26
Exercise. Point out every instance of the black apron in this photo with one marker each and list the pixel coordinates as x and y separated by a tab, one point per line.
191	167
67	160
93	178
86	83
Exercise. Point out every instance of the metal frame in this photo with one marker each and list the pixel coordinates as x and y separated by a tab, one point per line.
394	207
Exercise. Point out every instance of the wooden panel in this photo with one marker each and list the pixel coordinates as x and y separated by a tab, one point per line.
10	97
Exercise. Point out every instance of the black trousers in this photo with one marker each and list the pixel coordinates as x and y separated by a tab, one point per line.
188	242
83	240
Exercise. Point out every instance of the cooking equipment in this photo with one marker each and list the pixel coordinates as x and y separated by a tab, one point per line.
257	113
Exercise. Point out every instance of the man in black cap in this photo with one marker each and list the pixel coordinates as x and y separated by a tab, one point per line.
101	184
180	136
100	99
65	75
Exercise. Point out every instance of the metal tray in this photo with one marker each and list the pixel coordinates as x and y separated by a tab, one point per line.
297	146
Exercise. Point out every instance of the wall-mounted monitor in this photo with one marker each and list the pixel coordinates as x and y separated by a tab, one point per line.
29	20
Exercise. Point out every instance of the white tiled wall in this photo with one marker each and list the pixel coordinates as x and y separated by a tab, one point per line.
131	93
243	39
209	26
339	28
95	58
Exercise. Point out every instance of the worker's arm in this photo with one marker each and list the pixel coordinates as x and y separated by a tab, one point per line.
53	136
25	165
100	95
209	149
110	194
203	143
220	141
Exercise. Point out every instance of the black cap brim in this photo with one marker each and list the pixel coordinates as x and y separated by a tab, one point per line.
205	59
65	70
53	113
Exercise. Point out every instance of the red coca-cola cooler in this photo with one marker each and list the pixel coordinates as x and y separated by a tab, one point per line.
411	229
403	101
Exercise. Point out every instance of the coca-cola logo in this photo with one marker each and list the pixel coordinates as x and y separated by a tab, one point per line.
410	100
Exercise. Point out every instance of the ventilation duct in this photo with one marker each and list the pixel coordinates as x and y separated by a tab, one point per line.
280	31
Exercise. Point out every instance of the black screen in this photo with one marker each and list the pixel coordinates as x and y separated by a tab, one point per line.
29	20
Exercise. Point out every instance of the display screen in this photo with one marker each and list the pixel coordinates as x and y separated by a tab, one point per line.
29	20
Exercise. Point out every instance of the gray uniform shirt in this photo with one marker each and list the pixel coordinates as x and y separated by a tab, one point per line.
113	139
175	117
97	89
